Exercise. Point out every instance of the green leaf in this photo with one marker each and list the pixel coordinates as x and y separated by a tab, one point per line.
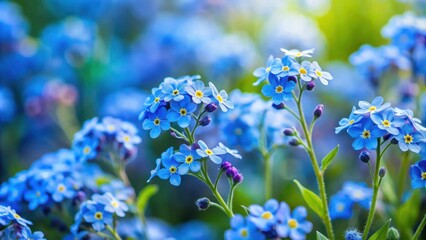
321	237
329	158
381	233
407	214
144	195
313	201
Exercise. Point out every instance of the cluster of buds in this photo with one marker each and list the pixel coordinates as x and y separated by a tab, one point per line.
231	172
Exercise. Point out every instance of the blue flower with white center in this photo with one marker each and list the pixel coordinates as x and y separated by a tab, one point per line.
387	121
240	133
358	193
28	235
86	149
173	89
340	206
112	204
348	122
8	214
128	140
264	217
154	101
408	114
205	151
323	76
306	71
95	214
109	125
154	172
293	224
279	89
365	134
375	106
418	174
199	93
222	98
36	196
232	152
156	122
181	112
170	170
297	53
284	67
61	188
188	157
409	139
262	73
243	229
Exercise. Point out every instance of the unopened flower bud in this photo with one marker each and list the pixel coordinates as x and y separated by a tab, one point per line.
394	141
231	172
211	107
294	142
238	178
292	79
364	156
353	234
225	166
393	234
205	121
310	85
289	132
318	111
278	106
382	172
202	203
387	137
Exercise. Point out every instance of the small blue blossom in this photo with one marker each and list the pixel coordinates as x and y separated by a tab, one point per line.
279	89
340	206
409	116
297	53
181	112
154	172
205	151
199	93
154	101
409	139
375	106
95	214
284	67
306	71
27	235
128	140
358	193
156	122
366	134
243	229
262	73
86	149
173	89
353	234
418	174
323	76
293	225
170	170
222	98
8	214
387	121
347	122
232	152
188	157
112	204
264	217
61	188
240	133
36	196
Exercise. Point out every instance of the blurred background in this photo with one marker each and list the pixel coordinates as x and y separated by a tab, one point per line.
65	61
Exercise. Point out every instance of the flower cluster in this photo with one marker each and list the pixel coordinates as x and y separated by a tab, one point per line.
109	135
14	226
418	174
273	220
342	203
378	119
98	214
283	74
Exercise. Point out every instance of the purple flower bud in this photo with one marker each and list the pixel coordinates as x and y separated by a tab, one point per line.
394	141
278	106
211	107
231	172
318	111
387	136
292	79
382	172
205	121
238	178
225	166
289	132
203	203
294	142
173	134
364	156
195	146
310	85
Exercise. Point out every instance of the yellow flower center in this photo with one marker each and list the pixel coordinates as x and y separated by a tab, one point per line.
268	69
386	123
318	73
303	71
351	122
292	223
285	68
219	98
266	215
157	121
299	54
115	204
126	138
209	152
408	138
111	127
340	207
172	169
189	159
366	134
372	108
238	131
279	89
86	150
199	94
61	188
423	175
157	99
176	92
15	215
99	215
244	232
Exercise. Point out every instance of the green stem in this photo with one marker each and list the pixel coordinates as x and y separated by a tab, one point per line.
375	191
217	179
179	134
113	232
419	228
318	174
405	164
231	196
268	176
